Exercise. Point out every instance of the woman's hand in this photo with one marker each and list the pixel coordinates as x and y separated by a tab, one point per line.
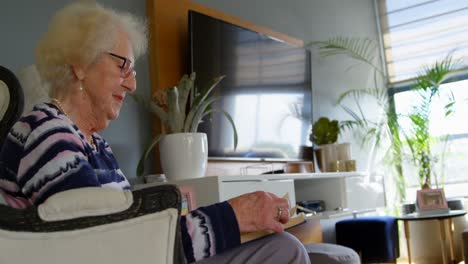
260	211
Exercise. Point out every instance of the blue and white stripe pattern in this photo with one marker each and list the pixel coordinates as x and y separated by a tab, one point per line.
45	153
209	230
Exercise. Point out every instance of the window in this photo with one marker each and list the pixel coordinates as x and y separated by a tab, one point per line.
415	34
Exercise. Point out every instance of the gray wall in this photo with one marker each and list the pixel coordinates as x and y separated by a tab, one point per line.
313	20
21	25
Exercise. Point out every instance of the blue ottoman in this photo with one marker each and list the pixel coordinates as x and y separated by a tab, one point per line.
374	238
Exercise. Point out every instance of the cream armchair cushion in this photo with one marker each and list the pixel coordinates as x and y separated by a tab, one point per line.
91	201
146	239
4	98
146	232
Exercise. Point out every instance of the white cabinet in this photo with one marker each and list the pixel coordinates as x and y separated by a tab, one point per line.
338	190
344	191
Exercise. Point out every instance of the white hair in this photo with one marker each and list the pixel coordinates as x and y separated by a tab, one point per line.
78	34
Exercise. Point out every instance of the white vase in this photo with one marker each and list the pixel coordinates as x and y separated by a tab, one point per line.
184	155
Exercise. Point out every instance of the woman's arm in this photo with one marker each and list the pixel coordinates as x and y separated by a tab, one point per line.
208	231
211	230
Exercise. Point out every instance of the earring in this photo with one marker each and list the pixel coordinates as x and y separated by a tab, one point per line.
81	87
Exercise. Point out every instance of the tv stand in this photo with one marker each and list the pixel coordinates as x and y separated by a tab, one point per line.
339	190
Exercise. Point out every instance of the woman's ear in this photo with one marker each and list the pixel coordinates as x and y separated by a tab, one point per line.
78	71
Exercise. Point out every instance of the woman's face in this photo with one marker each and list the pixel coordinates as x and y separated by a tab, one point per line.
105	82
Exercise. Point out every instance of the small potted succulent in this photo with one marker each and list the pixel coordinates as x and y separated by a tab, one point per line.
183	151
325	131
324	135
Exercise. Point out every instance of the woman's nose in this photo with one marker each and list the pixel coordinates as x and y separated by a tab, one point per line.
130	83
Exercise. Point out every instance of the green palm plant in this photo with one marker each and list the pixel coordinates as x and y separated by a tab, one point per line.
181	109
385	132
418	138
381	133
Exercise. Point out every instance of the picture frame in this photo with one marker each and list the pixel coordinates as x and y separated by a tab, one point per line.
431	199
188	199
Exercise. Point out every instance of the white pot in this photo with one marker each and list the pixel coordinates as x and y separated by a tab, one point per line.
184	155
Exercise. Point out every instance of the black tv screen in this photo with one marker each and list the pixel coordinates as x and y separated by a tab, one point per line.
267	90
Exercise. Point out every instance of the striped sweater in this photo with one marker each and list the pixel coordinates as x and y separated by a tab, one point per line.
45	153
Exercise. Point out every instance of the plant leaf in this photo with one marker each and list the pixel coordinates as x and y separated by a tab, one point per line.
176	117
141	163
231	121
361	49
199	113
150	106
199	99
202	97
185	86
432	76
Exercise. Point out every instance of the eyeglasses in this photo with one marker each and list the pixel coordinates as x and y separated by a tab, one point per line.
126	68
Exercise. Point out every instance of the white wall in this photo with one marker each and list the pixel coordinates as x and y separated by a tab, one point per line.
313	20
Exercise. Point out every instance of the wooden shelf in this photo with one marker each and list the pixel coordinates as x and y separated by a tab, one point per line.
291	176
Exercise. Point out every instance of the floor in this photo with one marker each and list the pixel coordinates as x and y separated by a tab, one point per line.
405	261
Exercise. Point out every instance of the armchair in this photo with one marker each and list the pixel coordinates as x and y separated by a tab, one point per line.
146	232
11	101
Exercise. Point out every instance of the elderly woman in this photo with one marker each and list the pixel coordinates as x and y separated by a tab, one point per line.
87	58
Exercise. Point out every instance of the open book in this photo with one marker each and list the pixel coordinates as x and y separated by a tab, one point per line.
294	220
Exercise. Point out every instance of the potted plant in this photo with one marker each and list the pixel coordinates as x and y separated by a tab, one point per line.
324	135
184	152
418	137
324	131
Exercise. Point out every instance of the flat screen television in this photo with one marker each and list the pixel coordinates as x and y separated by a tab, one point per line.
267	90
